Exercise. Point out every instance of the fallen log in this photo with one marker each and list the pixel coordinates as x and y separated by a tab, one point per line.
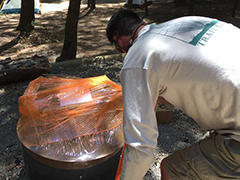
23	69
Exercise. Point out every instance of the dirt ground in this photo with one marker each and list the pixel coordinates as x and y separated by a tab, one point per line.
47	40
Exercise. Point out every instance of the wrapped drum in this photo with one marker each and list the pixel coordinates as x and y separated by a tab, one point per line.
71	128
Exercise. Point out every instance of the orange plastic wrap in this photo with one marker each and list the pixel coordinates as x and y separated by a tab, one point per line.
71	119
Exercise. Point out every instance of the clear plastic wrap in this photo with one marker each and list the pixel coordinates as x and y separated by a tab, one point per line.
71	119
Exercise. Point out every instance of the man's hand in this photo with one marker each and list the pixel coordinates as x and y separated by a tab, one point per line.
163	101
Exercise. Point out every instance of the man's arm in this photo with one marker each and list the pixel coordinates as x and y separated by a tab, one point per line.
140	92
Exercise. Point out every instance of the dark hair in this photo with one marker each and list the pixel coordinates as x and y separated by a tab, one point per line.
123	23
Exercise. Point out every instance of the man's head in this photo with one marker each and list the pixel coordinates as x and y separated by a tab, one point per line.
123	26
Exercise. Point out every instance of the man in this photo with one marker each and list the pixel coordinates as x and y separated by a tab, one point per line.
193	63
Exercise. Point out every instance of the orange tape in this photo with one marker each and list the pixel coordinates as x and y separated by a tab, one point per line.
120	164
155	109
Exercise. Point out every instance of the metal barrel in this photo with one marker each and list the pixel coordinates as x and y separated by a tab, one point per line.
39	168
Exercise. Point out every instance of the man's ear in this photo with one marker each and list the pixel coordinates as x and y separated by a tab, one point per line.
115	38
123	40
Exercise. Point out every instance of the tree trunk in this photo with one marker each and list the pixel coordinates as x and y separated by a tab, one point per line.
70	41
27	17
23	69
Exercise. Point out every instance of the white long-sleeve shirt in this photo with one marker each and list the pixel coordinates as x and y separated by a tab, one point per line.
194	63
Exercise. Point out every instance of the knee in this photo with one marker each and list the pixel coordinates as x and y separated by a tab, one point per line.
164	174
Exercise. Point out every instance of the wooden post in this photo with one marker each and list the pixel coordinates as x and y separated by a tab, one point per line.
92	4
146	8
130	4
